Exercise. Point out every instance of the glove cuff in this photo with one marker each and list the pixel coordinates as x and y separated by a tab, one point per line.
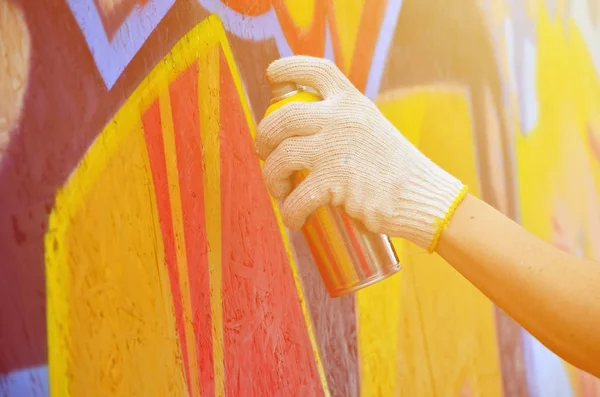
427	204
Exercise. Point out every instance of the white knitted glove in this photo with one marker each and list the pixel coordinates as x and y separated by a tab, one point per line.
355	157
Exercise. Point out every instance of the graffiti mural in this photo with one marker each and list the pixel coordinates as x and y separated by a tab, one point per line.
196	89
140	253
115	30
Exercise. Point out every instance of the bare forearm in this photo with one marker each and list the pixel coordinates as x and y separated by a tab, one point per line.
552	294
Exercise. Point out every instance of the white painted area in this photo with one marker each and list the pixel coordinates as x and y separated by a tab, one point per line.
546	373
328	44
521	55
112	56
29	382
591	33
509	40
528	102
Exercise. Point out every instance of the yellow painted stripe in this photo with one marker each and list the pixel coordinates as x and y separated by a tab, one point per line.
347	16
208	89
379	325
302	12
58	283
218	29
378	330
175	196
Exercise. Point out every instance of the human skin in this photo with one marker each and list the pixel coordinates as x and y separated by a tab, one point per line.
553	294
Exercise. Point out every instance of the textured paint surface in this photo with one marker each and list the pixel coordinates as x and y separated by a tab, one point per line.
141	255
436	311
265	338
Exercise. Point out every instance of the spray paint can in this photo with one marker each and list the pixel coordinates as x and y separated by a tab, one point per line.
348	256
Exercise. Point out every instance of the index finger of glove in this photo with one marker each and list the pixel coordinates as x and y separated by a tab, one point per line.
293	119
318	73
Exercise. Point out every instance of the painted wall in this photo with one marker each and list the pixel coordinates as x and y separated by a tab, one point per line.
140	253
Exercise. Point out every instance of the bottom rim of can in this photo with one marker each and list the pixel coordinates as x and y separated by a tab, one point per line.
365	283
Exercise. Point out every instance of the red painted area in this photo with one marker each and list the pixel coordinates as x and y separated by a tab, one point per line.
267	351
156	153
186	126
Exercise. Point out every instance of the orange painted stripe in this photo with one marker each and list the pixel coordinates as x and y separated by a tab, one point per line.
151	122
366	40
186	128
304	41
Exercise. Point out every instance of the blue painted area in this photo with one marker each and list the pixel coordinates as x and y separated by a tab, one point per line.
546	372
112	55
521	52
28	382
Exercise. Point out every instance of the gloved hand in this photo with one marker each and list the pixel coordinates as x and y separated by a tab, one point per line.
355	157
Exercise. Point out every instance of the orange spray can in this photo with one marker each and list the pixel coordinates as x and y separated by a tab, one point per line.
348	256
